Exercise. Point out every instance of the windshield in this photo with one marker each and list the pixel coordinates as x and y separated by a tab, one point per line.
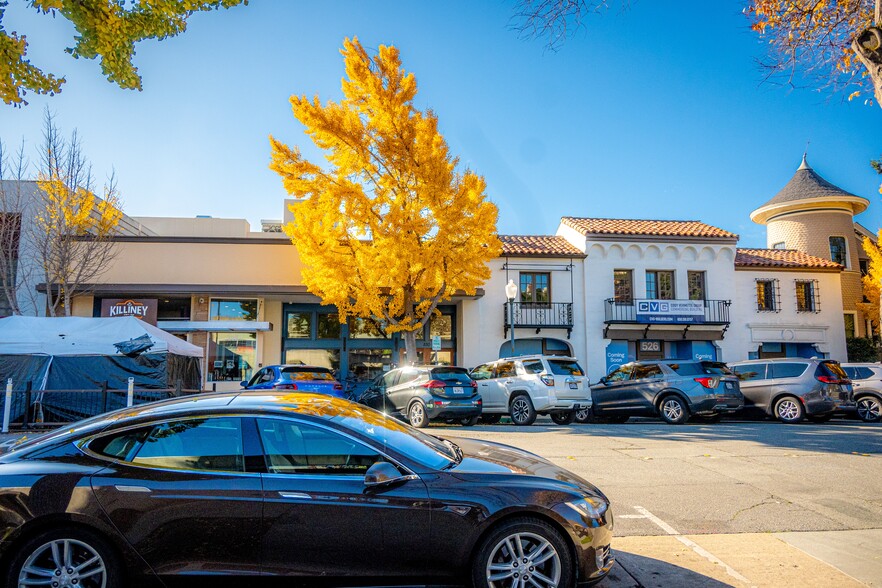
386	431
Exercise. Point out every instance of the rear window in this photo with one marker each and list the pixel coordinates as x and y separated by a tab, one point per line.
688	368
304	373
716	368
787	370
565	367
857	373
835	369
451	375
753	371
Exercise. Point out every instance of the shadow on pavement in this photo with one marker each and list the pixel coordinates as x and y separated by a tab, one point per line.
634	571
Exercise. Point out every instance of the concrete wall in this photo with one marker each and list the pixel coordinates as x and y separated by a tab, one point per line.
750	327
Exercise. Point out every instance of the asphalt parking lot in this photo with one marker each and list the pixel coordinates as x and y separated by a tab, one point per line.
728	504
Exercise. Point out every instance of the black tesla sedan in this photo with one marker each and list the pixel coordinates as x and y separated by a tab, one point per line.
276	484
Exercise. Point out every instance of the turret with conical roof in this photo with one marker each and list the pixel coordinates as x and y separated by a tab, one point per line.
816	217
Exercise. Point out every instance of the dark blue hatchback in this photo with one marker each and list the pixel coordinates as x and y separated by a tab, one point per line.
304	378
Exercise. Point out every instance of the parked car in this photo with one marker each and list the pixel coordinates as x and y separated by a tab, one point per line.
794	388
304	378
523	387
424	393
671	389
288	484
866	379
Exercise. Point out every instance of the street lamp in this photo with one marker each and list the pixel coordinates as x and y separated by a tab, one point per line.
511	290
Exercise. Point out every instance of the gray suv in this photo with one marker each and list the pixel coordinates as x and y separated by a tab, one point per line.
671	389
791	389
867	381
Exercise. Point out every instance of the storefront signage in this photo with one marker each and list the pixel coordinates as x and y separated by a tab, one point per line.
676	312
143	308
436	343
616	355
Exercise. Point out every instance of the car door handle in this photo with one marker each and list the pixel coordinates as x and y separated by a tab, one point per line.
124	488
295	495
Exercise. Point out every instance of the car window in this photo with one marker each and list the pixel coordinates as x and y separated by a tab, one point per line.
620	374
852	373
565	367
255	379
533	366
120	446
506	369
297	448
835	369
303	373
864	373
787	370
451	375
751	371
482	372
642	372
266	375
716	368
213	444
391	378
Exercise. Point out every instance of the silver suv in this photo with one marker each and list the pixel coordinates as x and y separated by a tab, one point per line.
791	389
523	387
867	381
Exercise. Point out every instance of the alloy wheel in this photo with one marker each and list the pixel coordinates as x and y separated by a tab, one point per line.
672	409
417	414
523	559
869	409
789	410
520	410
64	563
583	415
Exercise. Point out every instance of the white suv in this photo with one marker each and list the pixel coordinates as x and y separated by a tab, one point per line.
526	386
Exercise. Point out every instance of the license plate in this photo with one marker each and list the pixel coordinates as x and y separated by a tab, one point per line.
457	390
574	385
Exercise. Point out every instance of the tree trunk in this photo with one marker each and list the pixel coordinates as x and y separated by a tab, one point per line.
866	46
410	347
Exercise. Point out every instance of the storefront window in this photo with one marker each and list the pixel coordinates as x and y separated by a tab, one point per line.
231	356
233	310
173	309
535	287
299	325
362	328
328	358
328	326
441	326
367	364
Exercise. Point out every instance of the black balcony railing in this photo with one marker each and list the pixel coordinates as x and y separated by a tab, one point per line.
716	312
540	315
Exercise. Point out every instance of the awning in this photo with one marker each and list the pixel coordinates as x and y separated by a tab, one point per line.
665	332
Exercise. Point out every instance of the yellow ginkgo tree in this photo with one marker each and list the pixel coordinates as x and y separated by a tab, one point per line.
388	227
872	282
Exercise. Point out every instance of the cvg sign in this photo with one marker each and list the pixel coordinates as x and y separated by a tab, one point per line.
670	311
144	309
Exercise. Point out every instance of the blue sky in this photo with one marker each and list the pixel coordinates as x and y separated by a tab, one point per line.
653	112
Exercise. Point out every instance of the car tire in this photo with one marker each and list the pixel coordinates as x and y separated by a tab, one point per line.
416	415
869	409
788	410
565	417
584	415
521	410
469	422
35	555
673	410
491	419
531	536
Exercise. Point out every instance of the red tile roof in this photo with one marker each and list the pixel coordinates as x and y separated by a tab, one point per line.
661	228
538	245
781	258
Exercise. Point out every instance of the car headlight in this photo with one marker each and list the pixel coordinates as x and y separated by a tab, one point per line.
590	507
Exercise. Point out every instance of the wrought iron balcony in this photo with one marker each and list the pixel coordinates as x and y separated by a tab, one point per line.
540	315
715	312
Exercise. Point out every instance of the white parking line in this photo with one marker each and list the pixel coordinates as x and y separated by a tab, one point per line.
688	542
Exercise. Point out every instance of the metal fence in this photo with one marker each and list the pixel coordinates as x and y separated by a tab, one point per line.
28	408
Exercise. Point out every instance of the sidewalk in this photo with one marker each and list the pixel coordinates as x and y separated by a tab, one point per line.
833	559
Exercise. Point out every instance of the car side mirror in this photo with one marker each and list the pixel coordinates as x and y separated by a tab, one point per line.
382	473
604	381
244	383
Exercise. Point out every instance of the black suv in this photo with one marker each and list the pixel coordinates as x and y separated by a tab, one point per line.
424	393
671	389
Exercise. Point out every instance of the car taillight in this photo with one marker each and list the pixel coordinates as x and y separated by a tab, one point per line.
285	387
474	384
708	382
831	380
434	384
547	379
338	386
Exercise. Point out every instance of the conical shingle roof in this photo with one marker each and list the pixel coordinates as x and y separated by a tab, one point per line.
807	185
